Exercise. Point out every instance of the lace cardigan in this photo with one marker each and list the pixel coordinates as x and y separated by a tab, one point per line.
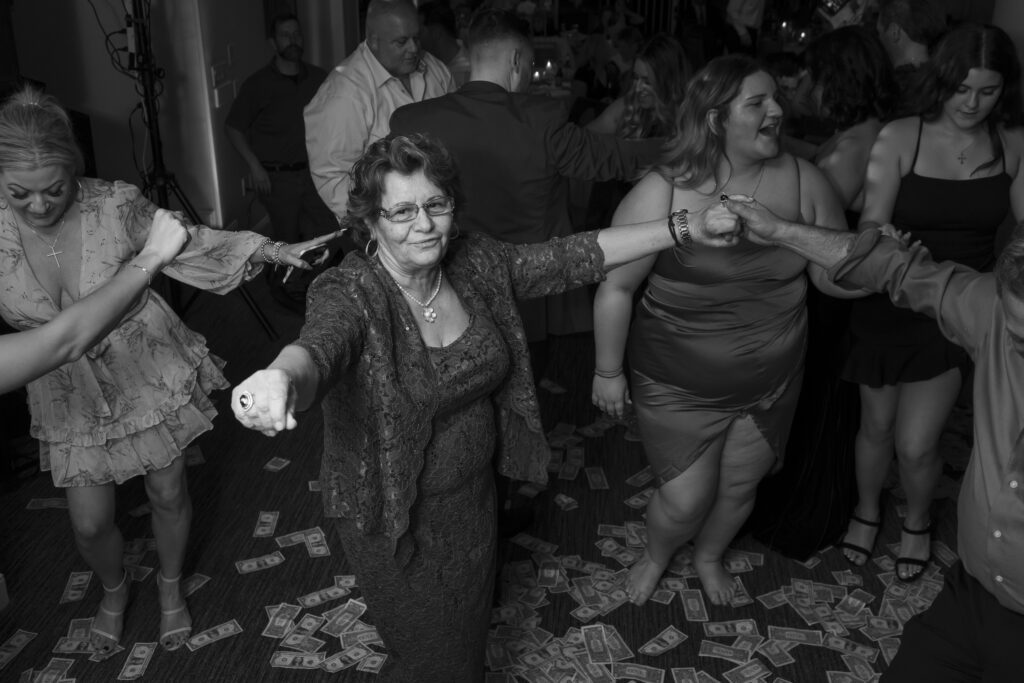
380	403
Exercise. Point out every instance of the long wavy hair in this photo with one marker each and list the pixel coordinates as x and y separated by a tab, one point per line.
692	156
974	46
402	154
35	131
854	73
667	61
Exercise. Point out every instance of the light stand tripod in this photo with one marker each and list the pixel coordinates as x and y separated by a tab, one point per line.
158	183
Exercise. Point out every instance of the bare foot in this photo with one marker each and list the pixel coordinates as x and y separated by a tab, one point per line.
717	582
643	579
108	625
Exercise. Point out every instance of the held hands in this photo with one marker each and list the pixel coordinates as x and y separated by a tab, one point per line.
611	395
265	402
757	223
167	237
715	226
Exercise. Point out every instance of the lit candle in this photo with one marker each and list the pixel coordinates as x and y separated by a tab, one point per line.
783	24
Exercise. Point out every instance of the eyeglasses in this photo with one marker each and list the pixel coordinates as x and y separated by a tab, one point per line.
403	213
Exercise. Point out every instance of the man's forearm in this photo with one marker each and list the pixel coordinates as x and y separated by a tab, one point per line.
821	246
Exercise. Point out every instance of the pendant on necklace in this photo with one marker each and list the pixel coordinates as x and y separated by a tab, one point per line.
429	314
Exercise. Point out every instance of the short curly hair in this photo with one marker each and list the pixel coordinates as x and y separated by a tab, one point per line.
402	154
854	73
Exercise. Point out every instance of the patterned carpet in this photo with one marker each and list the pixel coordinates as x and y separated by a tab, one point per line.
560	616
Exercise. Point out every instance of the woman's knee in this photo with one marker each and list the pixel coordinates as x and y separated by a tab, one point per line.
917	449
683	506
168	493
89	527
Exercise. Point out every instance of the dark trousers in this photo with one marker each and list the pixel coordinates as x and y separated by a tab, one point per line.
296	211
966	635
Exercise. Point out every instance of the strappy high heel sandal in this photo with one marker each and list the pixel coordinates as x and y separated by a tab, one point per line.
167	638
111	641
913	561
866	552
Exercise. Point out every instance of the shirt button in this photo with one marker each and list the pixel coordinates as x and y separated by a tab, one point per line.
997	533
999	578
1014	484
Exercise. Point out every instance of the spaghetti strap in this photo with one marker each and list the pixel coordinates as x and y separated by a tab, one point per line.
917	147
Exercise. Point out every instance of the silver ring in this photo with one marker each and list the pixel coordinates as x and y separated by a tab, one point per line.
245	401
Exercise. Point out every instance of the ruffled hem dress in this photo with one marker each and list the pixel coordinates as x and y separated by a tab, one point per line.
139	396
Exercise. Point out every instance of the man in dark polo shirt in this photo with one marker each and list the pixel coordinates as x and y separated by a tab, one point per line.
266	126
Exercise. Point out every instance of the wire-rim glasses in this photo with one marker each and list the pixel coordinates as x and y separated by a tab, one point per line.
403	213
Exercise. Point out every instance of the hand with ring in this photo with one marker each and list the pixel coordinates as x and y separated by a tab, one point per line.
265	402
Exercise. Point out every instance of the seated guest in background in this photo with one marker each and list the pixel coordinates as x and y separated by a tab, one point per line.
130	405
743	19
265	125
438	36
716	348
24	356
515	151
419	354
947	178
353	106
909	29
852	87
975	625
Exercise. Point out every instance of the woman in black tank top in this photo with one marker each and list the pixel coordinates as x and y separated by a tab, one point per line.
948	178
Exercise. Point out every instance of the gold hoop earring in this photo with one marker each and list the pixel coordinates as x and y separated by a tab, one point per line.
366	249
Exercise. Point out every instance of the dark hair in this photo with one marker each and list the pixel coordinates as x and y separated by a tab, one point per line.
854	73
783	64
280	19
924	21
434	13
1009	269
35	131
692	155
974	46
672	71
629	34
491	25
402	154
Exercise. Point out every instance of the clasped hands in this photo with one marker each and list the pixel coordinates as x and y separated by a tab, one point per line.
731	218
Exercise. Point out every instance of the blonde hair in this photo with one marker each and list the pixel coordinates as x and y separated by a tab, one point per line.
35	131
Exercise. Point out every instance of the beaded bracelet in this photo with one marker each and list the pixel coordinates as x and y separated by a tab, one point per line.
277	253
263	249
608	374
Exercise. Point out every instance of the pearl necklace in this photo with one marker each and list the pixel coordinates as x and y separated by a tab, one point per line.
429	314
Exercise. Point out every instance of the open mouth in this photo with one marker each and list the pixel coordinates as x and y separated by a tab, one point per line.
771	130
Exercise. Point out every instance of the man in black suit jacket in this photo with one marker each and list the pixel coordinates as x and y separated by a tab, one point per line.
514	153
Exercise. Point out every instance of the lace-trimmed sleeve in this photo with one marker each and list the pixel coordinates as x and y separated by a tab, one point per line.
336	314
555	266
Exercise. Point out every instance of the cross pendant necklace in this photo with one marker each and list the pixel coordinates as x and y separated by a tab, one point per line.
53	247
963	157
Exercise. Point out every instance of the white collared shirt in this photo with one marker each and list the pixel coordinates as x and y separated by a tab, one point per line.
353	108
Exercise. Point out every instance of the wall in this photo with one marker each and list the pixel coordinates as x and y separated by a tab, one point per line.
206	47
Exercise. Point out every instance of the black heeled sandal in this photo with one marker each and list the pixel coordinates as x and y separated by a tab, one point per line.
913	561
866	552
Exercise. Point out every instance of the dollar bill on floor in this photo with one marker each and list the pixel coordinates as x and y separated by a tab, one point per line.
283	659
372	663
104	656
737	655
280	621
693	605
47	504
193	583
641	478
566	503
316	543
314	485
76	587
137	573
596	478
321	596
753	670
137	662
669	638
276	464
346	658
266	523
637	672
256	564
214	634
13	646
736	627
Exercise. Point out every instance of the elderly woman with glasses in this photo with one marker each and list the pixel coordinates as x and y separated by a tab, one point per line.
417	348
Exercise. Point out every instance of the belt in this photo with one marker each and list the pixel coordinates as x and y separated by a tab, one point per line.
297	166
